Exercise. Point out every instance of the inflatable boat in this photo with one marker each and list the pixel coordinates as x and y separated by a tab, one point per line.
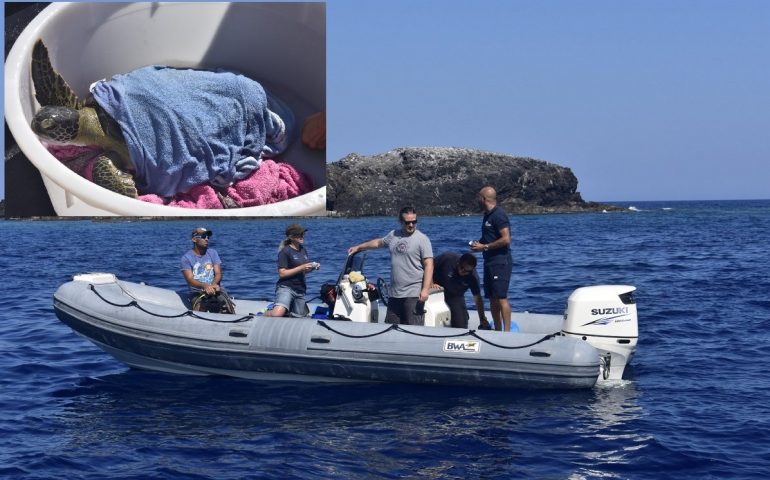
345	339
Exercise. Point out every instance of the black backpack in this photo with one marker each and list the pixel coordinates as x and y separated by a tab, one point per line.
329	295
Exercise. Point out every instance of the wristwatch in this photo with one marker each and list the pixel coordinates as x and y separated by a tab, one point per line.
486	247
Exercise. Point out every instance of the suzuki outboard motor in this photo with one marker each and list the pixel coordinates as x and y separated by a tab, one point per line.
605	316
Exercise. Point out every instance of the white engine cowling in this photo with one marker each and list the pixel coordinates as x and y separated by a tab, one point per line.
605	316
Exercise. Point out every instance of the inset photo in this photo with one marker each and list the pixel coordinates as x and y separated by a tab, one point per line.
165	109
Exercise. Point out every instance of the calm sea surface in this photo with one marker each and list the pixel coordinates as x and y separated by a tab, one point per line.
695	404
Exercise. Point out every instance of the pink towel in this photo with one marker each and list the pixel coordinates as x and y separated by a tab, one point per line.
272	182
78	159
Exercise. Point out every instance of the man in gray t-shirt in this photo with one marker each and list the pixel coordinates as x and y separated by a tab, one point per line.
411	269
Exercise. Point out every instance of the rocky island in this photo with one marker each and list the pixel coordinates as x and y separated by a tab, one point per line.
444	181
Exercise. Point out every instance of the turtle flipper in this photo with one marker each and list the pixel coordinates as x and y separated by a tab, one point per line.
226	200
107	175
50	87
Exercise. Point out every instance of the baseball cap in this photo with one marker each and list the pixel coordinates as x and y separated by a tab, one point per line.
295	229
201	231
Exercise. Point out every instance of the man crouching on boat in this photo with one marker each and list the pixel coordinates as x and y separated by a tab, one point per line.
202	269
456	274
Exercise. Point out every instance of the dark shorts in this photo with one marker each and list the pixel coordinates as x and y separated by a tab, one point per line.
497	278
458	312
404	311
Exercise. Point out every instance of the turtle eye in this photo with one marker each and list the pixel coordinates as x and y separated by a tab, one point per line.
46	123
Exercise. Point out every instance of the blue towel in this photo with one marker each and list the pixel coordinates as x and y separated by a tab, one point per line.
185	127
283	122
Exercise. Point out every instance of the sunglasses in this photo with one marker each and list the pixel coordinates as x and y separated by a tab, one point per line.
301	235
410	222
204	237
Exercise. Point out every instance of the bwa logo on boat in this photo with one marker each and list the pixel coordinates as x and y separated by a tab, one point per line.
467	346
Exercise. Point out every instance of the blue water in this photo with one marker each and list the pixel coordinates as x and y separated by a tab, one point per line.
694	404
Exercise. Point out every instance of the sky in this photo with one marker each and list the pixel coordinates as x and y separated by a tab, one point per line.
643	100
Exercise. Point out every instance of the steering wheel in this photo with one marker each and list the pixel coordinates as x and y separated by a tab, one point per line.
382	288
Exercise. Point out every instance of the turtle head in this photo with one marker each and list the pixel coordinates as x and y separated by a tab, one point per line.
56	124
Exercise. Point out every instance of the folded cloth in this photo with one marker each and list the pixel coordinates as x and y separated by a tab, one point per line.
283	120
80	159
77	158
273	182
186	127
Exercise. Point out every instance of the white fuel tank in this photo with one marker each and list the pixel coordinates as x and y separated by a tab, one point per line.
605	316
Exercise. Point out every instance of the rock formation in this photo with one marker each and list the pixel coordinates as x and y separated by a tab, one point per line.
444	181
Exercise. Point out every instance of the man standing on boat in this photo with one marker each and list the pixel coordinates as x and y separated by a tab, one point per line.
411	269
202	269
456	273
495	243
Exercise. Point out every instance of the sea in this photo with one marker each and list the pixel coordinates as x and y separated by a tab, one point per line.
694	403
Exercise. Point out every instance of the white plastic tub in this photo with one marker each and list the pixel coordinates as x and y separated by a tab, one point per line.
283	45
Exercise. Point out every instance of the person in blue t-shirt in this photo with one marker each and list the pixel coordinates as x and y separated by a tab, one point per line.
293	264
456	274
495	243
202	268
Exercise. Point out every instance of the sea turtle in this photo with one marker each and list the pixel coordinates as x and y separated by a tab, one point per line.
65	119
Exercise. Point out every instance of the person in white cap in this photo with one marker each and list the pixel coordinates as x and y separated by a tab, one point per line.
202	269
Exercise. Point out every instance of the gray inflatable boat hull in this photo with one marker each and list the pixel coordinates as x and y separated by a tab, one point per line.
151	328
